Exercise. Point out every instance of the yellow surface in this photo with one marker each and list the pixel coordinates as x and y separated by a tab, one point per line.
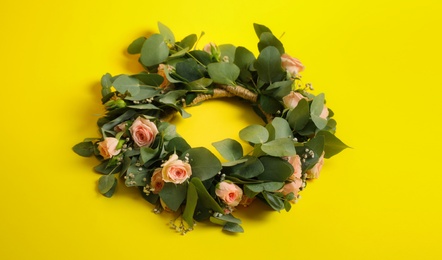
378	62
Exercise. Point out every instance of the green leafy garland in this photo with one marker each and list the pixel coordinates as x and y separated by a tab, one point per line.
141	147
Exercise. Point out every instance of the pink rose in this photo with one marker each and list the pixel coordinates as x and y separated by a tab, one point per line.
208	47
295	161
120	127
292	99
313	173
143	131
162	73
324	113
175	170
108	147
293	186
229	192
291	64
156	181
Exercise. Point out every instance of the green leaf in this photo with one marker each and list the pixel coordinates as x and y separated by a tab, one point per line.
316	109
166	33
206	199
279	89
228	218
275	169
276	202
244	59
229	149
223	73
233	227
279	128
154	50
103	168
179	53
136	176
204	163
259	29
299	116
106	182
173	195
147	154
150	79
178	144
332	145
250	169
200	84
84	149
125	83
171	97
191	201
145	93
190	70
268	39
188	42
266	186
279	147
106	84
255	134
268	65
227	50
269	104
136	45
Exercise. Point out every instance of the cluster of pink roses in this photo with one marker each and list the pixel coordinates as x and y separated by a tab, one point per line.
142	130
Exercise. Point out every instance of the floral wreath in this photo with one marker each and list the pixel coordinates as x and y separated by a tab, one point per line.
140	146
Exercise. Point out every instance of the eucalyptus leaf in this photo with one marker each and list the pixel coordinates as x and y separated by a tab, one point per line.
173	195
106	182
259	29
233	227
136	45
269	104
299	116
227	50
333	145
188	41
145	93
276	202
166	33
179	53
279	128
200	84
223	73
190	70
204	163
178	144
255	134
266	186
125	83
267	39
147	154
279	147
84	149
275	169
244	59
191	202
171	97
230	149
144	107
106	84
228	218
204	196
150	79
250	169
268	65
154	50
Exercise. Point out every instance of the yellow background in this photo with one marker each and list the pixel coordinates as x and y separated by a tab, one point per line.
378	62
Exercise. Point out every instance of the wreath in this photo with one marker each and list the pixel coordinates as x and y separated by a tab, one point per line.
140	146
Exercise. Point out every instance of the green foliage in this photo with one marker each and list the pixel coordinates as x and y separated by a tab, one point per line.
187	77
230	149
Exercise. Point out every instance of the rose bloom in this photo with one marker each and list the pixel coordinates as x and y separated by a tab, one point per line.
175	170
293	186
295	161
120	127
156	181
208	47
143	131
324	113
313	173
291	64
162	73
292	99
108	147
229	192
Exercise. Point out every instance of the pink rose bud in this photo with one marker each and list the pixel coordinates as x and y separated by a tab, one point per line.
229	192
213	50
324	113
175	171
292	99
295	161
156	181
313	173
291	64
293	186
143	131
108	147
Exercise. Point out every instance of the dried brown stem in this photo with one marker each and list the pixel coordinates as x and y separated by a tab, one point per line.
217	93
